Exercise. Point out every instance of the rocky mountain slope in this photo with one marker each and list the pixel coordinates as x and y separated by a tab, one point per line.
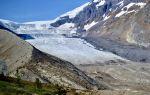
128	35
32	63
102	38
118	26
115	24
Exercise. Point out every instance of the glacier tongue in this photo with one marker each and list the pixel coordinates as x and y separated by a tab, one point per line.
75	50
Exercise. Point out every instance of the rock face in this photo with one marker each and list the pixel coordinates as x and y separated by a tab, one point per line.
128	35
131	27
32	63
14	51
96	11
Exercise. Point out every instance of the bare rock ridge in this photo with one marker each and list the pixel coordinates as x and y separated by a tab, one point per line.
32	63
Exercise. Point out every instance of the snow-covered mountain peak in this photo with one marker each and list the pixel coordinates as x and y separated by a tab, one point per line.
7	21
98	11
76	11
83	17
9	24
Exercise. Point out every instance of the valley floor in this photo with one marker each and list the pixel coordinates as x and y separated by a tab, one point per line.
127	79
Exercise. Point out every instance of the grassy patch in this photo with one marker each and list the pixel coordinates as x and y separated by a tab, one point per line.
11	87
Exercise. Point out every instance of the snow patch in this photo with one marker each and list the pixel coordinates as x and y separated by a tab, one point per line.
88	26
120	4
105	17
120	14
66	26
139	4
128	6
96	1
102	2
